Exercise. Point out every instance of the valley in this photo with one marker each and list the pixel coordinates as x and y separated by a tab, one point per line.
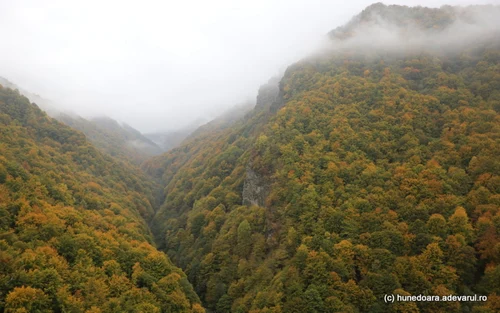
370	168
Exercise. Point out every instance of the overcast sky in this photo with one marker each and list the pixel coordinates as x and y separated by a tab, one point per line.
160	65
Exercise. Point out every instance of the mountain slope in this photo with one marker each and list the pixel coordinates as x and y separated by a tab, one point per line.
168	140
172	139
73	235
43	103
370	171
120	141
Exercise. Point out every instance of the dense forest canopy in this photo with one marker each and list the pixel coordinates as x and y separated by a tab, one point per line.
368	170
73	236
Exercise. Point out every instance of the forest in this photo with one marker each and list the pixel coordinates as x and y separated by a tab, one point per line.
73	234
364	171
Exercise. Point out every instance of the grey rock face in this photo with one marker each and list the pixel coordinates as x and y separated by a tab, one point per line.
278	102
255	189
270	96
267	94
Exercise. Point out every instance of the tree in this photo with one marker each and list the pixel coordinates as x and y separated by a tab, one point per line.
244	245
27	299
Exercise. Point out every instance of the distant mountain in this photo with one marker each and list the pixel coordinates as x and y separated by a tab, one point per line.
118	140
167	140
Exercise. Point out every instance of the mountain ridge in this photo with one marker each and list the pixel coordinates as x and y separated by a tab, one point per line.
73	231
362	178
118	140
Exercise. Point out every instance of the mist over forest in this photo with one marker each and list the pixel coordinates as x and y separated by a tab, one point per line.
160	67
393	29
258	156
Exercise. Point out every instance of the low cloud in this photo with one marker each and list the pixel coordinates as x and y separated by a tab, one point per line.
162	65
383	29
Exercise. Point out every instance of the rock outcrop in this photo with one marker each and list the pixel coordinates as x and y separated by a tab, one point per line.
255	188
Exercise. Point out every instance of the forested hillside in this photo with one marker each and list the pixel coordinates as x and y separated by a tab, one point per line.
73	236
120	141
42	103
369	170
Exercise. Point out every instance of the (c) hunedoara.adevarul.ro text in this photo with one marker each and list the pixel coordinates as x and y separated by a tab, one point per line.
391	298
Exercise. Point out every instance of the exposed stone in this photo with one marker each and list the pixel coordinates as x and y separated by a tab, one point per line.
255	188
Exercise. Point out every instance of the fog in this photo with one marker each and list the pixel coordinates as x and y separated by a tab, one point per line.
393	32
159	65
